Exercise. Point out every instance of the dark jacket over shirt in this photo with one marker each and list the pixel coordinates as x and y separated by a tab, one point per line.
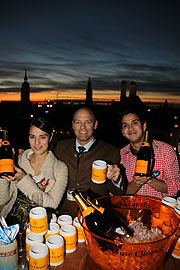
80	177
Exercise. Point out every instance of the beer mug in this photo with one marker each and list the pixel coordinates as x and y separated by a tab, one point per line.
55	244
80	234
38	220
31	239
53	230
65	220
70	236
38	257
99	171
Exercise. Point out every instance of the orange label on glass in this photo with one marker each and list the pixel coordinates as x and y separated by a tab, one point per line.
70	242
99	174
27	250
101	209
6	165
38	264
56	255
38	225
141	166
88	211
145	144
176	250
80	233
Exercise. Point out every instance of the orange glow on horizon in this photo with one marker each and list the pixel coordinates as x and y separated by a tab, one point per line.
98	95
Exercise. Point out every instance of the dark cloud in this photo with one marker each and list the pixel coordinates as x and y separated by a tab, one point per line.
62	43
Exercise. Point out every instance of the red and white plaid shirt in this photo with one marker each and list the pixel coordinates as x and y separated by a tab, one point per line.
166	165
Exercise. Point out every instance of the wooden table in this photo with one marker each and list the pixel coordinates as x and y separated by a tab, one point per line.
78	260
75	260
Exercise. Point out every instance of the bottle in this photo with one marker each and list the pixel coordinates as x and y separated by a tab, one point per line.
144	158
6	156
116	220
95	221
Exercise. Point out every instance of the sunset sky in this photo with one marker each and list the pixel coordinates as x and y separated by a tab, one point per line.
62	43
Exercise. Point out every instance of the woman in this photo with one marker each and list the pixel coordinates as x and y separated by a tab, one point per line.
39	174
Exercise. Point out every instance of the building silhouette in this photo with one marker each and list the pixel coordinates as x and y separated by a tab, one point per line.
123	91
89	101
25	90
133	100
25	108
132	89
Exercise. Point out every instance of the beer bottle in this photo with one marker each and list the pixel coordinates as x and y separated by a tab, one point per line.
6	156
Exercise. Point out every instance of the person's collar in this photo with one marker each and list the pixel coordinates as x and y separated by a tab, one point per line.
28	153
128	149
87	146
155	143
133	151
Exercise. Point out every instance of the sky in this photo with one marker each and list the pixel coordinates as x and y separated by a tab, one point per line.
63	43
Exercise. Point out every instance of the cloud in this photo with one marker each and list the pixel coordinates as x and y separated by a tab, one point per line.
62	44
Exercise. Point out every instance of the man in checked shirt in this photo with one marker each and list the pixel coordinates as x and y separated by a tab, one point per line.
165	178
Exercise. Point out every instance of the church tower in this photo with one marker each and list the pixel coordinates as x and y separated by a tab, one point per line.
89	101
123	91
132	89
25	89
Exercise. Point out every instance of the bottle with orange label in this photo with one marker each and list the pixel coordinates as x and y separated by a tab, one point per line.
95	221
116	220
144	158
6	157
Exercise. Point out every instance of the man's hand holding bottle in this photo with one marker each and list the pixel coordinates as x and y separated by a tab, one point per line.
141	180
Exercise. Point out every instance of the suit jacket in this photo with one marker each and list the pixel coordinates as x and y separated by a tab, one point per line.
80	175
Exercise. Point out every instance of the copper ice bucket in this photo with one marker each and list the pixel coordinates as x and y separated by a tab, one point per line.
131	256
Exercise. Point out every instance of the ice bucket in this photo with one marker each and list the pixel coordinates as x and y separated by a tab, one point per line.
131	256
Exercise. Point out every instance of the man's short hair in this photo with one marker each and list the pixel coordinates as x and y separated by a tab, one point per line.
87	109
128	110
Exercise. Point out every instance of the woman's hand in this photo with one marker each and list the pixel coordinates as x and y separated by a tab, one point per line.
20	174
113	172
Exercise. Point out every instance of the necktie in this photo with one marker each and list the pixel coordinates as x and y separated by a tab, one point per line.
81	149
